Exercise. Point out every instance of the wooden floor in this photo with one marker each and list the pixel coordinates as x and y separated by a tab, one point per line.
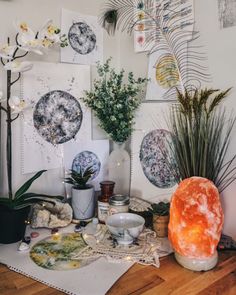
170	278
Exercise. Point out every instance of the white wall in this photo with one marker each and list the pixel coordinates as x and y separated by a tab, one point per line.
220	46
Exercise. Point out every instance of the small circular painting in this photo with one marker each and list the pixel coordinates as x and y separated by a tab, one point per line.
87	159
82	38
153	149
57	251
57	116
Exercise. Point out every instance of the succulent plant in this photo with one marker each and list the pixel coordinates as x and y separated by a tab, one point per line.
160	209
80	178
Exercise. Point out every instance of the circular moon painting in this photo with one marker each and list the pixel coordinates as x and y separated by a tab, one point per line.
57	116
87	159
82	38
152	158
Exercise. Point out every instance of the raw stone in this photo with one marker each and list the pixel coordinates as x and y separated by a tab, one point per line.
51	215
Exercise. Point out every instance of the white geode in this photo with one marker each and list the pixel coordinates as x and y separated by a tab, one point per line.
51	215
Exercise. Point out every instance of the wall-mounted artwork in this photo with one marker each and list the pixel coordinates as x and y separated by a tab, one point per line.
87	153
227	13
151	178
85	38
55	113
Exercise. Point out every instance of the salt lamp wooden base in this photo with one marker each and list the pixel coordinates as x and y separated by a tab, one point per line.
197	264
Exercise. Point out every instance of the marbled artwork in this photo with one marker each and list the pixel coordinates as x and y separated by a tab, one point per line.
153	149
151	178
227	13
82	38
86	159
57	116
85	38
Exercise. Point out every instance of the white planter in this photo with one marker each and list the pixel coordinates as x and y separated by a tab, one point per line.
83	203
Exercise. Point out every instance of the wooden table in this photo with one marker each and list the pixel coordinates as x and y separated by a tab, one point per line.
170	278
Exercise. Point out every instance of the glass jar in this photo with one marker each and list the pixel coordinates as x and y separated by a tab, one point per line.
107	188
118	204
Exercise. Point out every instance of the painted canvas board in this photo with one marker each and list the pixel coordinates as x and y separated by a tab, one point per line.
227	13
85	38
55	113
87	153
151	178
163	71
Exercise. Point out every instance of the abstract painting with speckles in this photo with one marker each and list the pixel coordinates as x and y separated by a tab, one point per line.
55	114
85	38
151	178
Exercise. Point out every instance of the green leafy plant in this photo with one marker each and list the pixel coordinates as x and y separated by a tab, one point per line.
114	102
160	209
23	199
79	179
201	137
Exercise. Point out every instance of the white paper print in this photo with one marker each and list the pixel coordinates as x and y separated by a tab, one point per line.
55	115
227	13
85	38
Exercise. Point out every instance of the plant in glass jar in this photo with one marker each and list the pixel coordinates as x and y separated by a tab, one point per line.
114	103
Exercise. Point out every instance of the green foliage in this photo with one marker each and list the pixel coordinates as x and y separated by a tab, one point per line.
79	179
160	209
201	136
114	102
23	199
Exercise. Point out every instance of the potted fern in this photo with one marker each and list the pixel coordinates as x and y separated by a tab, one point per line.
160	213
83	202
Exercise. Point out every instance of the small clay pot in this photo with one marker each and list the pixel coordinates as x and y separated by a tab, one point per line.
160	225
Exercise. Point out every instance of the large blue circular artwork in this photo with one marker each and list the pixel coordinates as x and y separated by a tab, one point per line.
57	116
82	38
87	159
152	158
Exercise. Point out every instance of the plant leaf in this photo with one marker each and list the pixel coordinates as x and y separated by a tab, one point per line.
28	183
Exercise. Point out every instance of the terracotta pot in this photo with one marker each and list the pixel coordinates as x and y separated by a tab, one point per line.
12	224
160	225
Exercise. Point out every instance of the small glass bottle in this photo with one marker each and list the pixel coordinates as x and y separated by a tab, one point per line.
107	188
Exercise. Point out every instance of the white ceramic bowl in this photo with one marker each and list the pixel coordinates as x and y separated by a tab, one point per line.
125	226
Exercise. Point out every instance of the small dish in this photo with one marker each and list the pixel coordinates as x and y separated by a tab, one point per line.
125	227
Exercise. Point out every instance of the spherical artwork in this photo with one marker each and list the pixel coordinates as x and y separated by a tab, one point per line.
196	218
153	149
57	116
87	159
82	38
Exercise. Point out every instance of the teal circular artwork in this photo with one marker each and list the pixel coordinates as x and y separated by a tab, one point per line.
87	159
153	149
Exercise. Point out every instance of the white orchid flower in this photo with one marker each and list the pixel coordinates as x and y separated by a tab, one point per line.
7	51
49	34
17	105
27	40
17	66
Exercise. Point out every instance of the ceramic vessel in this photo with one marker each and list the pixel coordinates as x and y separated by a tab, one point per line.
160	225
125	227
83	203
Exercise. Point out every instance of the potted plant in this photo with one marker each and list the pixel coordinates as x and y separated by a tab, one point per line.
114	103
14	208
83	202
14	212
160	213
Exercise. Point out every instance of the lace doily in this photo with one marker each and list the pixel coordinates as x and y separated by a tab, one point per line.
147	249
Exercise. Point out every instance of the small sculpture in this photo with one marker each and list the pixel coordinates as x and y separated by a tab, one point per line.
51	215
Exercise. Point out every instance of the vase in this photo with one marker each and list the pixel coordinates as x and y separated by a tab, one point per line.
83	203
119	168
12	224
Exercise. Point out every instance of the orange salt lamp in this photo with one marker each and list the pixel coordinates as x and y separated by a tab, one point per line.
195	224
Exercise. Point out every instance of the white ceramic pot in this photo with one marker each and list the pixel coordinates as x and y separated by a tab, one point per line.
83	203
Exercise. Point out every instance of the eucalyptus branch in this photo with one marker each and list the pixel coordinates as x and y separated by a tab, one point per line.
13	82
